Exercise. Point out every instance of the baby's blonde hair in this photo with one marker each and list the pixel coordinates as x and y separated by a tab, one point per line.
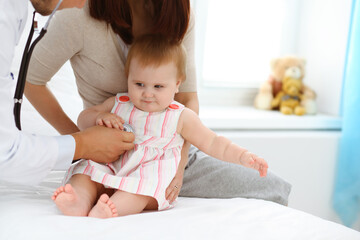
155	50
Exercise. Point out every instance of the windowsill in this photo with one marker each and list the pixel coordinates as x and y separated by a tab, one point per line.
249	118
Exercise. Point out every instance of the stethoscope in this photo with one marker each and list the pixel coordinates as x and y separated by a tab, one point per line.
19	91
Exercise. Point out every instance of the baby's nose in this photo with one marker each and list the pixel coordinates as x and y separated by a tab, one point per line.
147	93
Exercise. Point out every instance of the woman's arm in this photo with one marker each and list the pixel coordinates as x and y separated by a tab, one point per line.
190	100
46	104
188	97
63	40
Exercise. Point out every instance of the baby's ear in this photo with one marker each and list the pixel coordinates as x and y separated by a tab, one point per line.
178	83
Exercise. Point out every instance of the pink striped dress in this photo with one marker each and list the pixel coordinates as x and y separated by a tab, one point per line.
149	168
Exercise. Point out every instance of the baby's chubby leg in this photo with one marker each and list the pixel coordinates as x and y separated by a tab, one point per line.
121	204
78	196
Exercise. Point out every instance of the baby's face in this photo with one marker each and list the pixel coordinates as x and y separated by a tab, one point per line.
152	89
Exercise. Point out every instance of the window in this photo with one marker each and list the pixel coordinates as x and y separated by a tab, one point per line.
235	41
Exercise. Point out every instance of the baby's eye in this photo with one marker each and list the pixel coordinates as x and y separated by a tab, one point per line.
140	84
158	86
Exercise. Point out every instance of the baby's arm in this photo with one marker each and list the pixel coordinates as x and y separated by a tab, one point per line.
192	129
100	115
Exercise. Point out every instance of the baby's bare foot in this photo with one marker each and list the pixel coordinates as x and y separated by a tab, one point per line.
104	208
68	201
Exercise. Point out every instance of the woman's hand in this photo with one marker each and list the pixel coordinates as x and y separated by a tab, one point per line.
110	120
173	190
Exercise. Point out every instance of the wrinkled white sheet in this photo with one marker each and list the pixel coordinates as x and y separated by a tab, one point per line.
29	213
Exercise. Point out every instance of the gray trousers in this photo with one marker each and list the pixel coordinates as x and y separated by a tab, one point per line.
207	177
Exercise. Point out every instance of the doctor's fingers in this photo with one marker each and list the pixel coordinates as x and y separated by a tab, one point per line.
128	137
124	146
116	141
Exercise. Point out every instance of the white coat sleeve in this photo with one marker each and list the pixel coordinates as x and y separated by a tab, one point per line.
24	158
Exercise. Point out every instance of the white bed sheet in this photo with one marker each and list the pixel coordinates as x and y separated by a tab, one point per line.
29	213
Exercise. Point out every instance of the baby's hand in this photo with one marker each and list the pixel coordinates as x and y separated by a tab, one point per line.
251	160
110	120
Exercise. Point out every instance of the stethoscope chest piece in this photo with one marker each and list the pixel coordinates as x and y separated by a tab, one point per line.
128	128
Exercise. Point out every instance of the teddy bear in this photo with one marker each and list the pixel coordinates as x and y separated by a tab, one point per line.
308	101
289	98
281	68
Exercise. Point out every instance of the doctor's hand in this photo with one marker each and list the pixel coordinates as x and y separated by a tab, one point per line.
102	144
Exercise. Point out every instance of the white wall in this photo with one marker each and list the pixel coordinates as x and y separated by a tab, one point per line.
323	34
306	159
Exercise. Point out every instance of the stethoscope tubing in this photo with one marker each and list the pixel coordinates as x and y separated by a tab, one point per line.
29	48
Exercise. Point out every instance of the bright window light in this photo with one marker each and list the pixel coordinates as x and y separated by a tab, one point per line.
240	39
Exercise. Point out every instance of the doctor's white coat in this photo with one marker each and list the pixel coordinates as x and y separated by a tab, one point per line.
24	158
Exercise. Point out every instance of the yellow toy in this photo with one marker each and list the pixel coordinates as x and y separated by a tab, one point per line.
282	68
289	98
